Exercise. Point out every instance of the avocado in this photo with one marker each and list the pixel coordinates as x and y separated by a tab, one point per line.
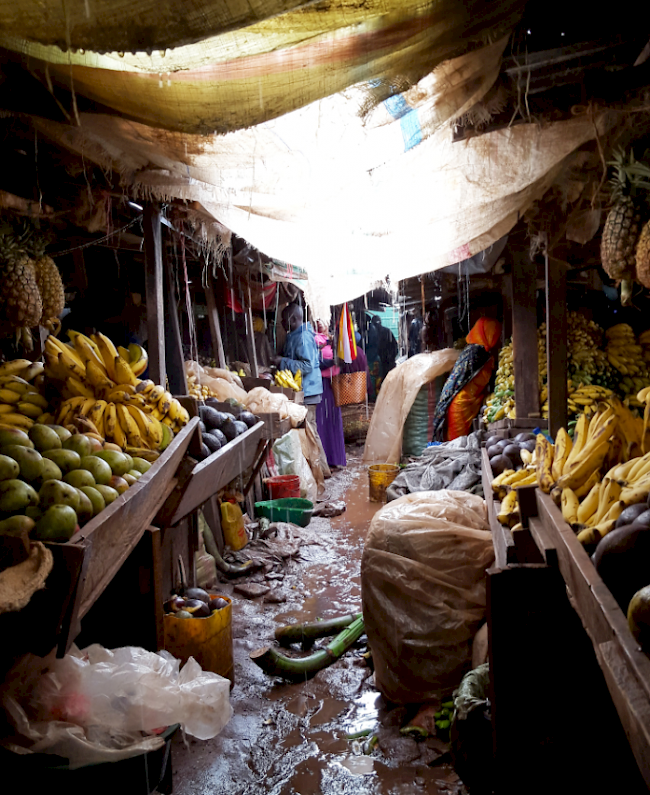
211	442
248	418
211	417
219	436
229	429
621	560
241	427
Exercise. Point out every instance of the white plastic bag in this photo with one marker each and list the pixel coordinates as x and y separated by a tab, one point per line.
423	591
93	705
290	460
261	400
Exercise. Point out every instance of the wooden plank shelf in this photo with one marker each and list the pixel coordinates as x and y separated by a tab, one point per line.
625	667
513	427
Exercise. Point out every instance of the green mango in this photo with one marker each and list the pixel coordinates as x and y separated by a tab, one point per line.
58	524
16	495
44	437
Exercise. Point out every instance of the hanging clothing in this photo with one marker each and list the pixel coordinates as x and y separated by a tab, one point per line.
464	390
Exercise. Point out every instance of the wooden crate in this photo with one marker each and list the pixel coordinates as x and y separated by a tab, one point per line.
113	534
509	548
625	667
211	475
274	426
85	565
513	427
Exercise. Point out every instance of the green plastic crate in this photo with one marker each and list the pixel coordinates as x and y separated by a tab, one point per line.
287	509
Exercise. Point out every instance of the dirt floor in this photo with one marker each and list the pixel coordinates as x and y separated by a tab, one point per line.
291	738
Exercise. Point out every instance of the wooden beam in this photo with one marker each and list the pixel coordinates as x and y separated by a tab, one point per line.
524	336
173	343
154	292
556	348
215	325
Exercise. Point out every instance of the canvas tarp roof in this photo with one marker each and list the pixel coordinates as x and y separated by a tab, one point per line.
359	181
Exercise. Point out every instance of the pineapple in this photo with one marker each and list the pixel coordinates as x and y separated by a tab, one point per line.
20	300
618	245
50	286
643	256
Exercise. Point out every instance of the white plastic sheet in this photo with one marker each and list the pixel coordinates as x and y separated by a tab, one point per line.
396	396
423	591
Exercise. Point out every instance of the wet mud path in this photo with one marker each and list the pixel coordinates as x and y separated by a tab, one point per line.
290	739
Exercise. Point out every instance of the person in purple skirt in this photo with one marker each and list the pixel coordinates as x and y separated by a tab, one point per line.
328	415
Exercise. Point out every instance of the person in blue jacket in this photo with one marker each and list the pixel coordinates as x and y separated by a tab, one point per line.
301	353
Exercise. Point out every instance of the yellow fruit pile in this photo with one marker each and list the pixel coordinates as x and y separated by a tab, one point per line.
99	384
289	380
21	401
628	358
593	477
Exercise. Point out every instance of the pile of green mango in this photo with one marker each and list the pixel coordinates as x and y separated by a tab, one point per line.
53	482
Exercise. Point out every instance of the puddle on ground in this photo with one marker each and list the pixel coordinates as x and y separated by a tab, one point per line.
290	738
359	765
363	715
329	709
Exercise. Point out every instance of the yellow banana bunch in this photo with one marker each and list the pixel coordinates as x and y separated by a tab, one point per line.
509	513
570	506
544	462
285	379
21	403
94	369
563	445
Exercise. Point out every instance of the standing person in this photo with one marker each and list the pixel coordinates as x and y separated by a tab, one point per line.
463	393
382	350
328	415
301	353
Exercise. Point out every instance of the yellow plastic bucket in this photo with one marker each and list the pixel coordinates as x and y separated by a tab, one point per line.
380	476
208	640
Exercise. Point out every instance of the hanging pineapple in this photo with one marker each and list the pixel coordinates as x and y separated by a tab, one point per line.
21	305
621	232
50	286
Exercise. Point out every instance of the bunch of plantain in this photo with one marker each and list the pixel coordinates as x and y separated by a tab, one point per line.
21	401
99	384
286	379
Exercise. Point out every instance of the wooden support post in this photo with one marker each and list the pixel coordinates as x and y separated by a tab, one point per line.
215	325
524	337
556	351
154	292
173	343
250	343
506	288
157	594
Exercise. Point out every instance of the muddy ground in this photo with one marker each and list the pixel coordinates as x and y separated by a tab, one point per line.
290	738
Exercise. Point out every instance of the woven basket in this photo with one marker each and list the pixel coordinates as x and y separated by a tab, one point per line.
349	388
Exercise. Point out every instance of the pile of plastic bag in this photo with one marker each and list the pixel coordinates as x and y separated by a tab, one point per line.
222	383
99	705
454	465
261	400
